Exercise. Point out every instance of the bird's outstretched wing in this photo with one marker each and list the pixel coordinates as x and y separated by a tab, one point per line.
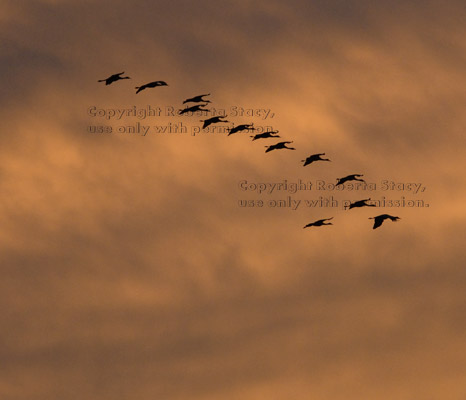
139	88
377	222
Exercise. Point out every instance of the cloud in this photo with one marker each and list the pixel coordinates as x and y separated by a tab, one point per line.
130	271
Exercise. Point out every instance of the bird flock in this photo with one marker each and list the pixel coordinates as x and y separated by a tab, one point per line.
378	220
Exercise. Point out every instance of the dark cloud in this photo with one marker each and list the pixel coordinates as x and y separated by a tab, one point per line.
128	269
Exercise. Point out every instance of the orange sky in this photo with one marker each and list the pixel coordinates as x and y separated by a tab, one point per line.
128	269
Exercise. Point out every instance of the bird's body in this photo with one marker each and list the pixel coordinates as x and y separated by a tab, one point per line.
268	134
279	145
150	85
213	120
360	203
197	99
320	222
379	219
114	78
240	128
314	157
353	177
197	107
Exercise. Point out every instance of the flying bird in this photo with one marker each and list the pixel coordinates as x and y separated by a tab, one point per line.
378	220
279	145
354	177
150	85
268	134
213	120
320	222
314	157
360	203
114	78
240	128
195	108
197	99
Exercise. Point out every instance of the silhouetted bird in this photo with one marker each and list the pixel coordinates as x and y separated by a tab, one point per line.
280	145
268	134
150	85
114	78
360	203
195	108
240	128
382	217
314	157
213	120
197	99
353	177
320	222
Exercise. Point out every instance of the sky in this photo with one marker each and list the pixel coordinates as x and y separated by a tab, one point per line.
129	269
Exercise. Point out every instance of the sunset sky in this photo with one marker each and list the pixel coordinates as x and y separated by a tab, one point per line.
128	269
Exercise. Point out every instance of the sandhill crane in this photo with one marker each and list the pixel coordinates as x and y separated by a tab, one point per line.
195	108
360	203
213	120
320	222
240	128
354	177
314	157
114	78
378	220
280	145
151	85
268	134
197	99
